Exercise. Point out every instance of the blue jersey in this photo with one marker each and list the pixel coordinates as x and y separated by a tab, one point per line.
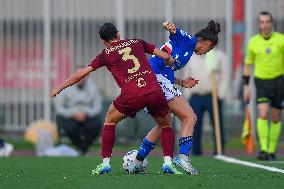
181	46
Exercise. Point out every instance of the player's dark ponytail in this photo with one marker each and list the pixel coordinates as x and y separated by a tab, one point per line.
210	33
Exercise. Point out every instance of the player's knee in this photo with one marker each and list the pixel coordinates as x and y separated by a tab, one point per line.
164	122
189	119
195	118
109	123
165	126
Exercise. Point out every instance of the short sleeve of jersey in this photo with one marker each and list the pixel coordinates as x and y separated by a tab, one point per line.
282	44
249	53
181	35
99	61
148	47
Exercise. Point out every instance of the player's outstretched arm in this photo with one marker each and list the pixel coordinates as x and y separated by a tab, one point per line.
77	76
168	59
170	27
189	82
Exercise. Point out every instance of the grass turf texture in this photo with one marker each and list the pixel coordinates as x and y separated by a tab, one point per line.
63	173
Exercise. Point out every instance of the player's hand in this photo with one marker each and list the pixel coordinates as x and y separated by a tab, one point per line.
169	26
190	82
246	93
54	93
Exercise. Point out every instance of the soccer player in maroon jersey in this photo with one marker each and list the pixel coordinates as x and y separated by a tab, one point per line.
127	62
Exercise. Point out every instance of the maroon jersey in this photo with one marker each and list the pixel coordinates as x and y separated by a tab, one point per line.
127	62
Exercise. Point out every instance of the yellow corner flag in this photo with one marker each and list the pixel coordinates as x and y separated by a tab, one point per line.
247	133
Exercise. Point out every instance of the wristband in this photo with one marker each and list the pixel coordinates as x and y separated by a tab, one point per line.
246	79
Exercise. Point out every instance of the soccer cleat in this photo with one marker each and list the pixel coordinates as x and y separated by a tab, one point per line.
185	165
6	150
262	156
170	169
134	167
102	168
271	157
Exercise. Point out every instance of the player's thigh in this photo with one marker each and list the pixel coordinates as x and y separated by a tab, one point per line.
264	91
169	90
278	97
157	106
263	109
113	116
180	107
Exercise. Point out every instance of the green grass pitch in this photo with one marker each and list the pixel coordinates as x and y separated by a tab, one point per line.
33	172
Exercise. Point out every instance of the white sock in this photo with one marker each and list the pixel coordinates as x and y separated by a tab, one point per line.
106	160
168	160
184	157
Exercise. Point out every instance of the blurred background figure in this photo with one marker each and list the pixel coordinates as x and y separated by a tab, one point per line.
77	113
266	52
200	96
43	134
5	148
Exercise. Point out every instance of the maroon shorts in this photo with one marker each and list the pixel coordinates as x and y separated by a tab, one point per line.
155	102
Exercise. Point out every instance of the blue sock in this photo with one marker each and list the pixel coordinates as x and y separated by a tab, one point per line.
185	145
145	149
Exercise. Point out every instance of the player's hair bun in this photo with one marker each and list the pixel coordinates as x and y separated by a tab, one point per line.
218	28
210	32
214	27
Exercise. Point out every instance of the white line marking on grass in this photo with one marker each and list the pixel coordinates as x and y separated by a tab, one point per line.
275	162
249	164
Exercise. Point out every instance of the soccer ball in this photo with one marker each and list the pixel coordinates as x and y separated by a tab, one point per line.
129	157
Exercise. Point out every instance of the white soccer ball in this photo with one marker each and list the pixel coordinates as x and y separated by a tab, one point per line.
129	157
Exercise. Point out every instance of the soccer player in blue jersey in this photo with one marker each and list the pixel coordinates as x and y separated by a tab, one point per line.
180	46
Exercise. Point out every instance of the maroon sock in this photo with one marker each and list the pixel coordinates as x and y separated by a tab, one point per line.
108	138
168	141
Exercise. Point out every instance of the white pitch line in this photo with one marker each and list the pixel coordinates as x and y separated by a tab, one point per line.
275	162
249	164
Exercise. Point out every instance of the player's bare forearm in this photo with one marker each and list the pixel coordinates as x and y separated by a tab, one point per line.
170	27
77	76
247	70
168	59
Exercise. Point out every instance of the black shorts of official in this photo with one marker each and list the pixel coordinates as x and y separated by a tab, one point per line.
270	91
